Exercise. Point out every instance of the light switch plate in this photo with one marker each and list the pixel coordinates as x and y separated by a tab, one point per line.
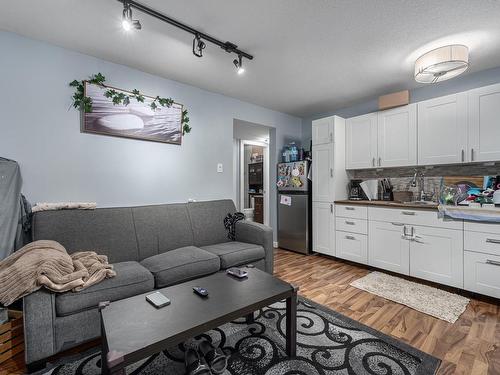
220	168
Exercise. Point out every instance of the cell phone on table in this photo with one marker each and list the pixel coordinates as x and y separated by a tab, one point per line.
157	299
237	272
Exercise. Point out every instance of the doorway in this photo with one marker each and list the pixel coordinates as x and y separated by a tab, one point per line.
252	175
254	180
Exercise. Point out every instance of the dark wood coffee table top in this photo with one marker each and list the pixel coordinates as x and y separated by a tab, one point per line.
134	328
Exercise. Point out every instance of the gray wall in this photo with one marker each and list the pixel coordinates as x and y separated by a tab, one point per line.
462	83
58	163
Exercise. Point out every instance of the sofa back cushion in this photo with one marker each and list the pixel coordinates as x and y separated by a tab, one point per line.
162	228
207	220
108	231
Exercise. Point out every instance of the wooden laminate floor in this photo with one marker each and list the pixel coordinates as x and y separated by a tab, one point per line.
470	346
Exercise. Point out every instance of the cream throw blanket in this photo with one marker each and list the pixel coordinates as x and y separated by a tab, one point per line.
47	264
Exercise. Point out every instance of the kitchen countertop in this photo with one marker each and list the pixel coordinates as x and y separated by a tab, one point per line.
390	204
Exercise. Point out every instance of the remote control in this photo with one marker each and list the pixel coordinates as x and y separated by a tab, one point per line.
200	291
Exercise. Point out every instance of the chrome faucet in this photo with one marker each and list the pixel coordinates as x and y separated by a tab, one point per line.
419	178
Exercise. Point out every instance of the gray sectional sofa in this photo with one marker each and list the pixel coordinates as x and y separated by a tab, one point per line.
150	247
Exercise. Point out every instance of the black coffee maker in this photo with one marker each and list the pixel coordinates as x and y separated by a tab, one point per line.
356	193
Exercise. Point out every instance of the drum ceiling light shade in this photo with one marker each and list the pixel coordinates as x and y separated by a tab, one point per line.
442	63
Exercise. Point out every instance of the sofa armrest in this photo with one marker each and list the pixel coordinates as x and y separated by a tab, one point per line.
39	325
251	232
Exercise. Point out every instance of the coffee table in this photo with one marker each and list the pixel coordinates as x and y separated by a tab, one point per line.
132	329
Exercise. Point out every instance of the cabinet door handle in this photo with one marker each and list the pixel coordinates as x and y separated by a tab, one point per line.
350	222
408	213
331	137
373	162
472	154
331	208
492	262
350	208
353	238
404	236
463	155
491	240
398	224
331	172
379	161
416	238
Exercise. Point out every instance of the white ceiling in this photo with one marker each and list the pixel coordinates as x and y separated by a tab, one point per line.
310	56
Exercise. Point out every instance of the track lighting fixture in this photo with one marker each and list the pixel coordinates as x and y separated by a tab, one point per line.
199	40
239	65
198	46
127	22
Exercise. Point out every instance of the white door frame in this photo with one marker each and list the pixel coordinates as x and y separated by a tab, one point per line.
265	147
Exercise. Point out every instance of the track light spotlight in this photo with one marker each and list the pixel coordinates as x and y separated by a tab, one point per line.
127	22
238	63
198	46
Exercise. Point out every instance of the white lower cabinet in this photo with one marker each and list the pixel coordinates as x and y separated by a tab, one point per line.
387	249
323	228
436	254
482	273
351	246
417	243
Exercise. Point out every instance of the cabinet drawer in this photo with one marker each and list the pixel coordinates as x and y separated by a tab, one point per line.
482	273
412	217
351	225
482	242
482	227
354	212
351	246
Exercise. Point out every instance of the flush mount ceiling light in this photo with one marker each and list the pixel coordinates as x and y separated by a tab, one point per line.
198	44
442	63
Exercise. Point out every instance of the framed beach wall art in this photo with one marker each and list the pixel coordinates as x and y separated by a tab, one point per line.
131	119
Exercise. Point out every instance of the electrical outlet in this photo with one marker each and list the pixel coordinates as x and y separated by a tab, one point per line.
220	168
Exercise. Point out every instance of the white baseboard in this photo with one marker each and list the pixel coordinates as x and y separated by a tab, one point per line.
275	244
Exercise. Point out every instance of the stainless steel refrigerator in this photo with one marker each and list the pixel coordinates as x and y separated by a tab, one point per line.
294	206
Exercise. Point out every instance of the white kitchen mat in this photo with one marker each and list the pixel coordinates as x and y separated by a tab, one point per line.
432	301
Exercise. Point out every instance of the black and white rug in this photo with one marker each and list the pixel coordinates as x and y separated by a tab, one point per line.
327	343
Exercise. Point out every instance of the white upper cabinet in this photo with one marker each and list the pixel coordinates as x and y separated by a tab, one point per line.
442	130
484	124
322	131
361	141
397	137
322	173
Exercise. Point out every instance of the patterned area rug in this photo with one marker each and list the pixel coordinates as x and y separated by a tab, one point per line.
327	343
432	301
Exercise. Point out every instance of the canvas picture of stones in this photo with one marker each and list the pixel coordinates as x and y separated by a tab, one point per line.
135	120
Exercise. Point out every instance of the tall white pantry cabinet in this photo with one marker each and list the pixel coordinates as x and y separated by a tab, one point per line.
329	179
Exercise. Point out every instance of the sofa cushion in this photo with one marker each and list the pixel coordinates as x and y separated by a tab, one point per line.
131	279
176	266
162	228
236	253
109	231
207	221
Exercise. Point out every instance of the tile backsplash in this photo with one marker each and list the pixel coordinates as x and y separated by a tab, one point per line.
401	177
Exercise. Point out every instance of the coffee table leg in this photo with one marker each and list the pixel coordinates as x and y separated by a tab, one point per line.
291	324
250	318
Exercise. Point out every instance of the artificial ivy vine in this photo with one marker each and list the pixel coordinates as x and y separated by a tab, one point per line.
84	103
